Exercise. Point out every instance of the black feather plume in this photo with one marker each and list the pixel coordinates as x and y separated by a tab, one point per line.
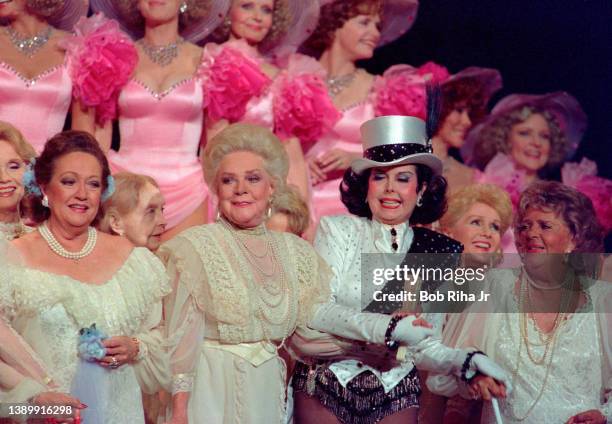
434	108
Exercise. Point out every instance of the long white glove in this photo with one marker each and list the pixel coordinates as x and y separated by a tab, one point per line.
487	366
365	326
409	334
431	355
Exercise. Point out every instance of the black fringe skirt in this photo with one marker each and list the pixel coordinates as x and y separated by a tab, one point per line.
363	401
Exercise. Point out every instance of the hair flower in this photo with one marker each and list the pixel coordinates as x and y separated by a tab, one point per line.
29	179
110	188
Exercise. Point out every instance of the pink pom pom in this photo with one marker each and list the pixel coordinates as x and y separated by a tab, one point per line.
599	190
502	172
302	106
231	79
102	60
572	172
401	93
433	72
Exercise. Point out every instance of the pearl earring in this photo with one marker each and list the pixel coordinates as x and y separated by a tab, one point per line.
45	201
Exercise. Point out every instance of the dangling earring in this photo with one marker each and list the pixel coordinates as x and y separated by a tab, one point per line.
218	216
183	7
45	201
419	201
269	212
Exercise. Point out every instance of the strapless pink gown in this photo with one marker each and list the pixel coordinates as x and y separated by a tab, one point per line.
346	136
37	107
160	135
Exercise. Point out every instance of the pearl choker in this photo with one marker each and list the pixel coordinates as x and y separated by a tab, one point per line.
56	246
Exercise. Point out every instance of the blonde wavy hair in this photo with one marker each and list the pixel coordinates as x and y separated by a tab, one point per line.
463	199
494	137
281	18
128	10
242	137
13	136
125	198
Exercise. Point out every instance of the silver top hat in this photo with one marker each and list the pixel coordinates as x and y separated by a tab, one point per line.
395	140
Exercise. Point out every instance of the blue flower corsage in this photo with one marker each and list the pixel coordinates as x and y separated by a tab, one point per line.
90	344
29	179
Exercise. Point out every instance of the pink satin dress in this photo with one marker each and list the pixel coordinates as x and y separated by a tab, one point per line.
160	135
38	106
345	135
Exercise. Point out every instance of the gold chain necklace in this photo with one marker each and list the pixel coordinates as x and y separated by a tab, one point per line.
550	344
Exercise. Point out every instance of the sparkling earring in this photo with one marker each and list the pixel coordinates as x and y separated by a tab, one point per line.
183	7
45	201
269	212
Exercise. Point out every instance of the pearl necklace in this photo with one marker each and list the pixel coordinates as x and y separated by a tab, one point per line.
56	246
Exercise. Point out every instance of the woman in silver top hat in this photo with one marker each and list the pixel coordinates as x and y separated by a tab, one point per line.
397	184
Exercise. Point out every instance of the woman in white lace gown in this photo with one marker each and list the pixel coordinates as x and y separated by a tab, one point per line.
70	276
550	324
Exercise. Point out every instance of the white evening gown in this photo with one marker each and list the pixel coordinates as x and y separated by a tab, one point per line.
48	310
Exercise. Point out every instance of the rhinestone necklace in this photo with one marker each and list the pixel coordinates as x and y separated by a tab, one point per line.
29	46
161	55
335	85
56	246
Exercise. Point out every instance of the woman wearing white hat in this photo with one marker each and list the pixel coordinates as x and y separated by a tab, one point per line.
395	185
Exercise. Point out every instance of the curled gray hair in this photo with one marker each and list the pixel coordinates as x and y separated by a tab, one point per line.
261	141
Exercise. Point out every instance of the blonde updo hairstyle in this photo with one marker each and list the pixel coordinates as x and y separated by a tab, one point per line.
196	10
460	201
243	137
463	199
280	25
128	187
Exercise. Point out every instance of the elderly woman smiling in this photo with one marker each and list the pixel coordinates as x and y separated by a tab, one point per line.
478	216
241	290
15	153
135	211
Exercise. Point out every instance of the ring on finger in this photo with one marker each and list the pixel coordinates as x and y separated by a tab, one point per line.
114	363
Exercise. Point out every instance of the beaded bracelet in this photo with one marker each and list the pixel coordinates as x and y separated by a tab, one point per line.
466	365
390	343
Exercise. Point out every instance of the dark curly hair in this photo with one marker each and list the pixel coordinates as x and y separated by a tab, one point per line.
58	146
354	192
333	16
464	93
